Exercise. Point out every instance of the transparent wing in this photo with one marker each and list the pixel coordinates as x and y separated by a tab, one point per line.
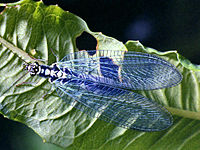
132	70
117	106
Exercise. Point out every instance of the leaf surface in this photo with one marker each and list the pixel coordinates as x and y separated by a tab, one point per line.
35	30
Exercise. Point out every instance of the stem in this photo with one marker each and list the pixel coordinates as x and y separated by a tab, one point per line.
22	54
184	113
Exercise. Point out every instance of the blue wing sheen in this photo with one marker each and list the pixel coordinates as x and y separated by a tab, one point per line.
98	85
131	70
118	106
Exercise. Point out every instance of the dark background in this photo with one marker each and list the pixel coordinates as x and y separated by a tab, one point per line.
162	25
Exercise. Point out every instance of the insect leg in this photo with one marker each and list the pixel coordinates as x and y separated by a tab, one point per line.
57	58
14	83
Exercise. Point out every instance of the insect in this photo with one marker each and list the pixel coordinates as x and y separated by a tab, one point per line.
99	83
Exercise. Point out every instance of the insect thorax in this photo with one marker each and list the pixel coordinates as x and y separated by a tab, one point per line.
52	72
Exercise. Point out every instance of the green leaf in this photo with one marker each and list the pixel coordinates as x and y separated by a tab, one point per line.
30	30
